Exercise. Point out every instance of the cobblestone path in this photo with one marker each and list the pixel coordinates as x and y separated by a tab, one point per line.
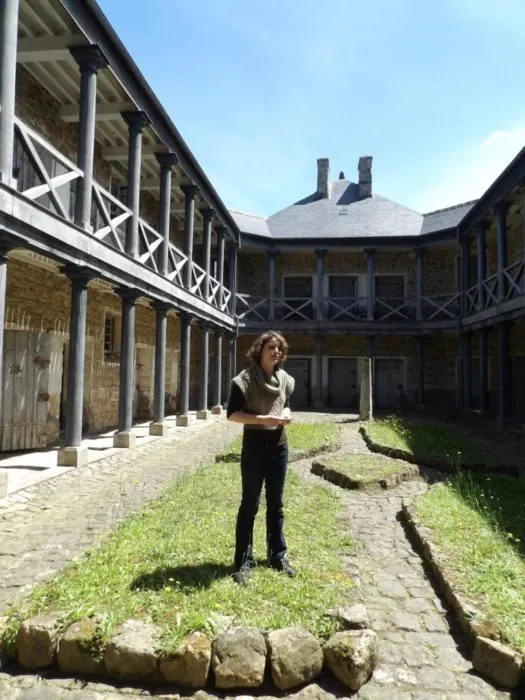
421	651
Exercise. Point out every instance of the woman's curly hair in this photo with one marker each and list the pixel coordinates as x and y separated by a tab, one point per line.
255	352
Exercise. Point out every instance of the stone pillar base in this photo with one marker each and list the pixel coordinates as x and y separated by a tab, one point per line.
3	484
183	421
158	428
125	439
203	414
216	410
72	456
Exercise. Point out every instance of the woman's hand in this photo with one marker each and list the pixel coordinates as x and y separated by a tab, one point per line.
286	416
270	421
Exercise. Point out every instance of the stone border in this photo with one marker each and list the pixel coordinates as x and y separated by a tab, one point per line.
442	465
294	455
237	657
344	481
499	662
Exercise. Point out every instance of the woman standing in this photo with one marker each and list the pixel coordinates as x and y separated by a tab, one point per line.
259	399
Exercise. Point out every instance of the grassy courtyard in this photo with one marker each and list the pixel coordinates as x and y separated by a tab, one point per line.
171	563
479	523
439	440
301	436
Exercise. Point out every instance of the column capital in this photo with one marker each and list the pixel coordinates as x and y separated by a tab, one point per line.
207	214
272	253
190	191
419	252
185	317
128	293
369	252
78	274
481	227
136	120
166	160
5	247
162	306
501	207
89	58
221	231
320	252
203	325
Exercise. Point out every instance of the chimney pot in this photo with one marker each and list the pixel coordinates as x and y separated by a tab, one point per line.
365	176
323	171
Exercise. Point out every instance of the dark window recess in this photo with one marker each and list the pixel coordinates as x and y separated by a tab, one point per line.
109	337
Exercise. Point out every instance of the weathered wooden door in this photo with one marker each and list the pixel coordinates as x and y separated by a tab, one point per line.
27	360
388	381
342	383
299	368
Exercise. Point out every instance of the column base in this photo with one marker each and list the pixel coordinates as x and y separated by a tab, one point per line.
124	439
3	484
183	421
158	428
203	414
75	456
217	410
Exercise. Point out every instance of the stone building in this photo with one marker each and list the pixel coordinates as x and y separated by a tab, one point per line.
117	256
437	300
122	290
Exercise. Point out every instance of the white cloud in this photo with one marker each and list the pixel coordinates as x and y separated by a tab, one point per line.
468	173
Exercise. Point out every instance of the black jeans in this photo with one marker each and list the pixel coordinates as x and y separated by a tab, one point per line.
260	464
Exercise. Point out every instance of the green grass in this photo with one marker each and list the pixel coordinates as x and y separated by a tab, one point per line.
301	436
365	468
172	563
479	523
432	440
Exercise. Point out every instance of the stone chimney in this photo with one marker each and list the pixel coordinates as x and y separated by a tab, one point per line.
323	171
365	177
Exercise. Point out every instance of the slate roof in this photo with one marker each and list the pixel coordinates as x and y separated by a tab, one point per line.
345	215
448	218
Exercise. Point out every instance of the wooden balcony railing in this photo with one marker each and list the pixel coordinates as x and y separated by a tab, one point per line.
50	179
489	293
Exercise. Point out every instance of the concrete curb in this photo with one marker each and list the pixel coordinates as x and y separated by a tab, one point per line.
442	465
476	630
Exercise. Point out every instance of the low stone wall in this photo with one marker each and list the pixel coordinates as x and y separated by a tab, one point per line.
294	455
441	464
238	657
491	658
334	476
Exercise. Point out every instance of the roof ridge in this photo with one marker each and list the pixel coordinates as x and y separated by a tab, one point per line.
454	206
246	213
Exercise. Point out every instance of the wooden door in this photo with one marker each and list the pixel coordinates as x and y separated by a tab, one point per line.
27	360
299	368
388	383
342	383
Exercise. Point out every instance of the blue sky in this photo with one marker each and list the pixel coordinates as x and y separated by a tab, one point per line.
434	91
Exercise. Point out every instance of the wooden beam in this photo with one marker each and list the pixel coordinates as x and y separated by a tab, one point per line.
47	48
121	152
105	111
153	183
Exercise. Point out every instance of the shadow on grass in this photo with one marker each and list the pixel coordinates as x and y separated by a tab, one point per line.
184	577
499	500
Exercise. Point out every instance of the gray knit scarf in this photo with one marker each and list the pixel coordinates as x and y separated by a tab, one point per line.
264	395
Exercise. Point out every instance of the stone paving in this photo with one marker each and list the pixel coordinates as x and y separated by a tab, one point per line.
421	651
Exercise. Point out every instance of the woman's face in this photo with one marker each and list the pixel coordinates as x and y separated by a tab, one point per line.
271	353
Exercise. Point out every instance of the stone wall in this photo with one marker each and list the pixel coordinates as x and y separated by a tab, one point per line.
39	300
